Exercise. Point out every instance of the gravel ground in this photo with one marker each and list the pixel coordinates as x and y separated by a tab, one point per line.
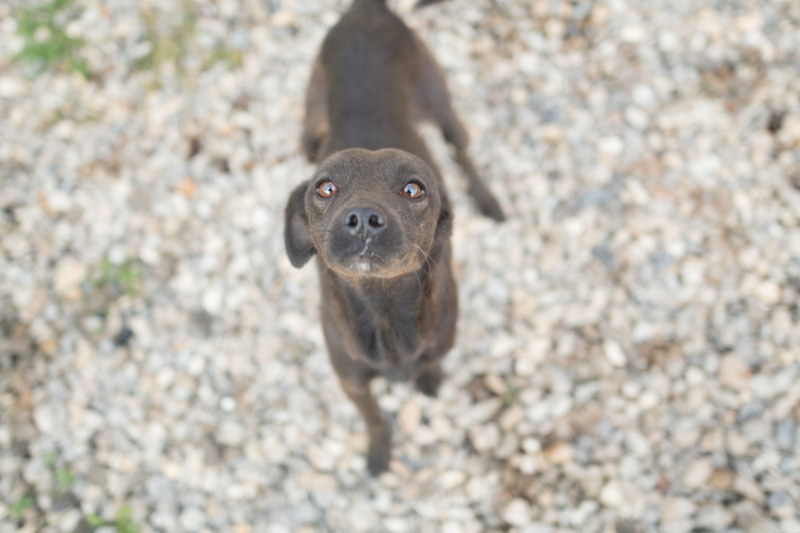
629	346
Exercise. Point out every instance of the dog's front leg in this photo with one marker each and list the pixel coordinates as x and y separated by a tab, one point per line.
429	378
380	436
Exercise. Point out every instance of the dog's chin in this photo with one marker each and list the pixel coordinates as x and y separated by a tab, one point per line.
364	265
368	266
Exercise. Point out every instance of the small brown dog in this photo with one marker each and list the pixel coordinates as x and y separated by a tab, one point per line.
376	211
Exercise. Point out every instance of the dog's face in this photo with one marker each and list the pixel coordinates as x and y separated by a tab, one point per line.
367	214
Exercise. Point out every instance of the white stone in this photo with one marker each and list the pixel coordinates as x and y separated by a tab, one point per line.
282	19
734	373
769	292
536	527
790	132
531	445
478	489
409	417
517	512
68	275
697	473
192	519
749	489
714	518
227	404
736	444
614	353
320	458
484	410
45	418
213	298
452	479
675	508
681	525
231	433
612	146
612	495
70	520
395	525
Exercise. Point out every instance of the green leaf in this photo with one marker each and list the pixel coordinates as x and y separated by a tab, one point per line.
59	50
95	521
124	514
510	395
49	459
22	505
64	477
124	524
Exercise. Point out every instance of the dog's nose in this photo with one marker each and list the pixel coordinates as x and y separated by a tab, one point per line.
364	221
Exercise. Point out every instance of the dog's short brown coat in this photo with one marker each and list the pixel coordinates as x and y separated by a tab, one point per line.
389	297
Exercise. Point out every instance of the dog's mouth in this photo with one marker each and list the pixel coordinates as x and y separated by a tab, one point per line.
370	264
367	259
368	256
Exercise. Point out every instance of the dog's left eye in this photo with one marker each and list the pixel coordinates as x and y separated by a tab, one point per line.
413	190
326	189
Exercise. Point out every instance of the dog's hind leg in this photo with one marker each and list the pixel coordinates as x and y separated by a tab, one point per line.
432	102
315	123
380	435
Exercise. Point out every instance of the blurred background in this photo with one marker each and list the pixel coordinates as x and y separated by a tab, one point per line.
629	346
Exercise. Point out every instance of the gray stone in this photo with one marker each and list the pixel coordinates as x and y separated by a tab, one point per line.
192	519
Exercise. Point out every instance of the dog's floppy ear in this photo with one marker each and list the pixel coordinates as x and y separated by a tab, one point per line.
444	224
296	233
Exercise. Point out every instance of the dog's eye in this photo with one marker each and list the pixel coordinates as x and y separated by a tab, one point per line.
413	190
326	189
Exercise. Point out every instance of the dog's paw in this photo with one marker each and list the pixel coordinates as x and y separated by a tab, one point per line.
378	462
380	449
428	384
490	207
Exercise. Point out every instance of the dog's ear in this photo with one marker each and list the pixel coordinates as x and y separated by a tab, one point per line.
296	233
444	224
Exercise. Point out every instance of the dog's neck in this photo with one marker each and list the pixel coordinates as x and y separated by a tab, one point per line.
388	315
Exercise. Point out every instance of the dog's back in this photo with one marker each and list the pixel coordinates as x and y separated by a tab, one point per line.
369	59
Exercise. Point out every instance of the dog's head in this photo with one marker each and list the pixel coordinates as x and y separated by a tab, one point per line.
368	214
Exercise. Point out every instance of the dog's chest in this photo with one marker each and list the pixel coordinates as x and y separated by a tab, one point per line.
388	329
390	343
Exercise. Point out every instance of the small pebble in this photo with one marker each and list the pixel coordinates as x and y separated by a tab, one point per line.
734	373
697	473
722	478
517	512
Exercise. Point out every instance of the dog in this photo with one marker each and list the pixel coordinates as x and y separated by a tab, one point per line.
376	212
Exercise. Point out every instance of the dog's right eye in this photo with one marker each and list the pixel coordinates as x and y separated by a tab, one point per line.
413	190
326	189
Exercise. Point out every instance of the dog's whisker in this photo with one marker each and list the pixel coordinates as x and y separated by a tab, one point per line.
327	207
419	282
430	261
